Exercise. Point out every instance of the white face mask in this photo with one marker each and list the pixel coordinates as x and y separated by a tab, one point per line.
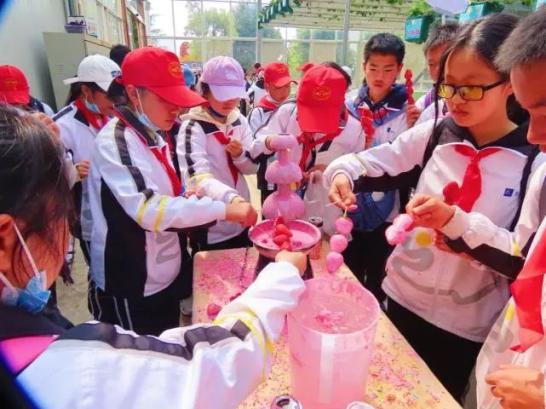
143	118
33	298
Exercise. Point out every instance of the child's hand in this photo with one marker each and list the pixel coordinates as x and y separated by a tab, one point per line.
341	193
234	148
83	169
412	115
430	212
241	212
298	259
517	387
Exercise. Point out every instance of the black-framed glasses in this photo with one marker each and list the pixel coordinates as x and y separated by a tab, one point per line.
466	92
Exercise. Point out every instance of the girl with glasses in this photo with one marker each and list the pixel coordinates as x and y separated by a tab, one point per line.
442	295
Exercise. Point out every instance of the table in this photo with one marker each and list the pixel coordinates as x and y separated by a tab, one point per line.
398	378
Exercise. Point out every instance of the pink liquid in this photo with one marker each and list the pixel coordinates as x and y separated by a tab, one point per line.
331	337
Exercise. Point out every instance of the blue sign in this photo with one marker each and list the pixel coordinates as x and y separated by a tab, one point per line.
413	28
473	12
540	3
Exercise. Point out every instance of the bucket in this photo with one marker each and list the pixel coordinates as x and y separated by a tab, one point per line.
330	337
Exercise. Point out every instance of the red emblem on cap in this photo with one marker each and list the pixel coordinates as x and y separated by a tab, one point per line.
10	84
322	93
174	69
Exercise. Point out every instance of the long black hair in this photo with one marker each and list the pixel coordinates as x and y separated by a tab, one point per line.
34	186
338	68
485	37
76	90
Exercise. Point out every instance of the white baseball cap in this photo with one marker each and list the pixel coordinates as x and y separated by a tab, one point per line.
98	69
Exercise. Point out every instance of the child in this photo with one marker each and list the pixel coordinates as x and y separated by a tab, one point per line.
318	118
507	377
386	102
277	83
474	158
439	39
100	365
138	212
213	145
14	90
79	123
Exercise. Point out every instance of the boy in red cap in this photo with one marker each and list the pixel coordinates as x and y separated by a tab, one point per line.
318	118
139	216
277	82
14	90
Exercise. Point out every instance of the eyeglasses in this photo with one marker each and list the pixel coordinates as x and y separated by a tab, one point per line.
466	92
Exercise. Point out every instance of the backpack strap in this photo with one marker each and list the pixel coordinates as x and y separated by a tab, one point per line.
523	187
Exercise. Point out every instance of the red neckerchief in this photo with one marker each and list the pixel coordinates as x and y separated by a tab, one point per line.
161	154
527	293
97	121
470	190
266	104
309	143
224	140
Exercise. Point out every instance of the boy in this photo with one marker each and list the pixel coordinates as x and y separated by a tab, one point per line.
277	83
439	39
387	101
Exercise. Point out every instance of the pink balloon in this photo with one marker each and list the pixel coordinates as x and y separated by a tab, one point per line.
344	226
333	261
338	243
283	174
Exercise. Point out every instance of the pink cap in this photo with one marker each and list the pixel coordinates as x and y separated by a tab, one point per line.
225	77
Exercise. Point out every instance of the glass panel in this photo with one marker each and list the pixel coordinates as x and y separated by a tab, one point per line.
272	32
161	19
188	18
245	53
273	50
214	46
217	20
298	54
189	50
166	43
245	15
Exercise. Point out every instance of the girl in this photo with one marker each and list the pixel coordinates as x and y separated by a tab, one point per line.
213	149
99	365
318	118
443	302
138	213
79	123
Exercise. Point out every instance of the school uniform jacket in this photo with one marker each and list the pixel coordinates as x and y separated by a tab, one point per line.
259	116
205	166
458	295
78	138
135	246
204	366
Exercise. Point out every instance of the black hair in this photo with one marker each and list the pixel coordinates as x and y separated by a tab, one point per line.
526	43
118	53
76	90
485	37
338	68
204	89
257	66
35	188
441	34
117	94
385	43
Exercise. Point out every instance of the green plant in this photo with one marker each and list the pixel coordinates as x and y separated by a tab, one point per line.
421	8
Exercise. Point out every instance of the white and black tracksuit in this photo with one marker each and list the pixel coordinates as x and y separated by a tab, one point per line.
439	297
207	167
78	137
204	366
136	245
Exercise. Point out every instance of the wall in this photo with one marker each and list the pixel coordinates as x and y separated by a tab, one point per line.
22	43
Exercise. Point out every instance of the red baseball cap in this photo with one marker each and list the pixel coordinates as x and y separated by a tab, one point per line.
277	74
14	87
159	71
321	96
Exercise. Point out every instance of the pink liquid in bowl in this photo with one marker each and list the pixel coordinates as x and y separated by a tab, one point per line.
330	336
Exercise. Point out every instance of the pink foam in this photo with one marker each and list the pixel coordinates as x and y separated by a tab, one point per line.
333	261
338	243
285	173
283	141
344	226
